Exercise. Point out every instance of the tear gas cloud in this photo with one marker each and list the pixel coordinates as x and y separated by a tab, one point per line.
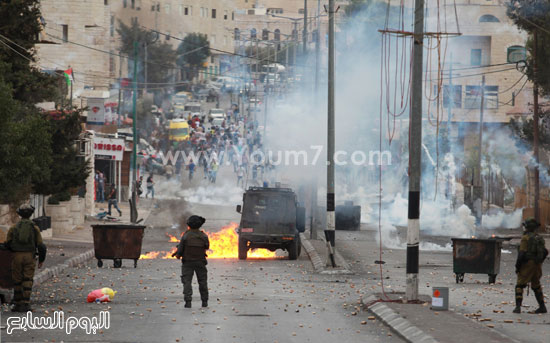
300	121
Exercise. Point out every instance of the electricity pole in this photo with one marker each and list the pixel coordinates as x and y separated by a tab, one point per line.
330	232
119	88
304	34
478	185
133	209
536	128
415	154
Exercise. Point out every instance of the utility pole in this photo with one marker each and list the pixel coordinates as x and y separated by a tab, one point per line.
294	46
119	87
451	101
313	231
536	128
330	232
478	184
145	69
304	34
133	209
415	154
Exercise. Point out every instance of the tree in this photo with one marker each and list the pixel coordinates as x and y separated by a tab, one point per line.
161	57
20	28
67	170
534	16
25	149
193	51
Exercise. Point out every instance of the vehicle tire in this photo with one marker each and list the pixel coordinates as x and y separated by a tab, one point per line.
243	249
293	250
492	278
117	263
299	246
99	263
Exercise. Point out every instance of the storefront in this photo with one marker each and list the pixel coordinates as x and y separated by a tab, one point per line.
108	157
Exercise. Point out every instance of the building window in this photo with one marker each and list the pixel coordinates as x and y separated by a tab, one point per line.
225	15
112	26
202	12
190	10
213	13
65	32
253	34
488	18
294	34
112	63
213	39
224	40
237	34
180	9
186	11
138	5
515	54
275	11
232	15
473	97
453	96
133	3
314	36
301	11
167	8
265	34
124	3
475	57
106	2
167	35
277	34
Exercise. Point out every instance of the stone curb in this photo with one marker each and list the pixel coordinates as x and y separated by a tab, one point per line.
339	259
401	326
55	271
318	264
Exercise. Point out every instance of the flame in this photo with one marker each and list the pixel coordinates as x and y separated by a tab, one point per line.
223	244
173	239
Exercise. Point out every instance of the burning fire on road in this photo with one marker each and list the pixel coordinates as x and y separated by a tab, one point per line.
223	244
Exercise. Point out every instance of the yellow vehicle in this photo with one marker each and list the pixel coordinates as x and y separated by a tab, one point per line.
178	130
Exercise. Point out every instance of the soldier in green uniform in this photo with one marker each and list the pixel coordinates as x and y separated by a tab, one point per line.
531	255
24	239
192	250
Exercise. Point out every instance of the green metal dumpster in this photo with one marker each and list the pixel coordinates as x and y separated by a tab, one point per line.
117	242
476	256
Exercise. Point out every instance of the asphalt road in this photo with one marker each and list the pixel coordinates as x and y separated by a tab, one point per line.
274	300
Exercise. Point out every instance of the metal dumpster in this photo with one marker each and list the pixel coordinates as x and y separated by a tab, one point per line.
117	242
348	216
6	257
476	256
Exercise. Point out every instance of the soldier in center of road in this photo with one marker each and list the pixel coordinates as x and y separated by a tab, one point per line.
192	250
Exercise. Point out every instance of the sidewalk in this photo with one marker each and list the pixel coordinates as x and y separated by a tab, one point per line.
479	312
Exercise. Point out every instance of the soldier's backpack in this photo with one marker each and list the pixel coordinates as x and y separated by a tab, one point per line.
24	236
536	249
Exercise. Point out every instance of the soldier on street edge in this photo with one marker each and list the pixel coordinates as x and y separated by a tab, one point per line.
192	250
531	255
24	239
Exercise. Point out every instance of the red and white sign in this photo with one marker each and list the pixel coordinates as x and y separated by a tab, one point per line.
111	147
96	111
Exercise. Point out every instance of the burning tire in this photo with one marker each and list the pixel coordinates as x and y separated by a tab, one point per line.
243	249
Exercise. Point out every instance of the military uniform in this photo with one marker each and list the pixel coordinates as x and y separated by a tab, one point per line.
192	249
24	239
529	265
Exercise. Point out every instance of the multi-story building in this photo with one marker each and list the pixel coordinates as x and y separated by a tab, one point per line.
177	18
76	35
489	46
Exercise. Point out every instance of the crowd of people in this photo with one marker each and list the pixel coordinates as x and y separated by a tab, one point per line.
232	143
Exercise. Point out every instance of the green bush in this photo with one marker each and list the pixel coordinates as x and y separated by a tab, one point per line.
53	200
64	196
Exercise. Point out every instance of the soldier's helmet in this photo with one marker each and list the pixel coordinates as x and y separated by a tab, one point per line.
195	222
25	211
530	224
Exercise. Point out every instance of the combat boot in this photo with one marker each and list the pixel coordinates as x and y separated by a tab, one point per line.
205	303
518	306
187	304
540	300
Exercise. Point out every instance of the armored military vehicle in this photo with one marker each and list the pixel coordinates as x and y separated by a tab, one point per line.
270	219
